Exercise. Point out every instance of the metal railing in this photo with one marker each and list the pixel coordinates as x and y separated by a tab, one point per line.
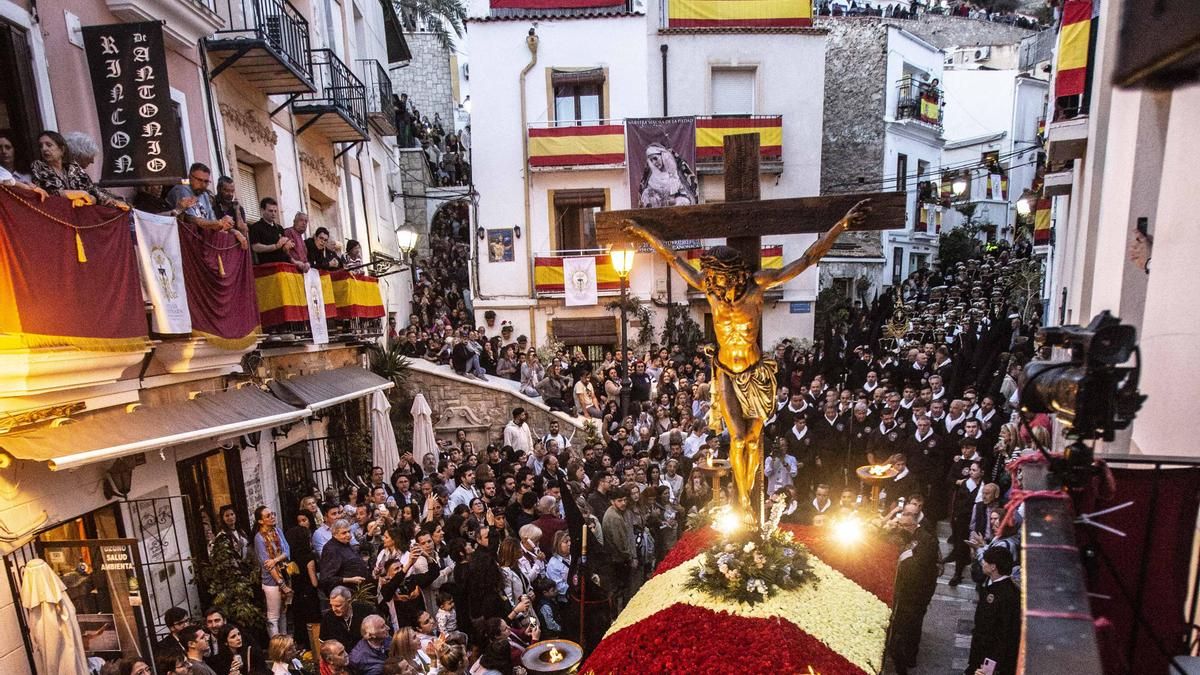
277	22
337	86
919	102
380	103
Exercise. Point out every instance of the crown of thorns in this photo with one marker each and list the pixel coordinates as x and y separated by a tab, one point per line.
723	259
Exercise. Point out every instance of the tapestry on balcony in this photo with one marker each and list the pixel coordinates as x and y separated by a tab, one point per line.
68	276
219	278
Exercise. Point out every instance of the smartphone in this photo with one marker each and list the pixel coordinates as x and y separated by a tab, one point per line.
988	666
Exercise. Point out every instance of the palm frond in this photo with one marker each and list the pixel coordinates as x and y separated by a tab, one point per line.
439	17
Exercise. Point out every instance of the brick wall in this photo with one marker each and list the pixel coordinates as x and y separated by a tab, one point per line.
426	79
855	70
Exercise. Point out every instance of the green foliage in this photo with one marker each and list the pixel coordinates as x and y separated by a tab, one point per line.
1025	286
680	329
548	351
389	363
435	16
832	308
231	582
350	451
634	307
591	433
957	245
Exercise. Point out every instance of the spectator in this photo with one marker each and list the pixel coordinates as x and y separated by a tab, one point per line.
369	655
271	549
299	249
267	239
342	622
320	251
58	174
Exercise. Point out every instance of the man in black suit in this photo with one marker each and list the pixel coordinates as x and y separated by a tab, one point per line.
829	431
962	504
916	580
800	445
997	631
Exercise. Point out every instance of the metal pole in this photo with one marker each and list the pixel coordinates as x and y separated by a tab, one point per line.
625	383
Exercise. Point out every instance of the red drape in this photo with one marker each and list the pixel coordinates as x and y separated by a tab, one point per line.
219	277
1159	527
48	296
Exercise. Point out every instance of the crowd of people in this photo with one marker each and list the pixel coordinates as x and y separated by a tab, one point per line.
447	154
465	558
440	299
915	8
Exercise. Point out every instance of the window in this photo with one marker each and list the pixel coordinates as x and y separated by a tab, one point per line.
578	96
901	172
897	265
209	482
575	218
916	261
247	191
922	170
733	91
19	113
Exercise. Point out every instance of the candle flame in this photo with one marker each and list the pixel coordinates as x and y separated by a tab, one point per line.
879	469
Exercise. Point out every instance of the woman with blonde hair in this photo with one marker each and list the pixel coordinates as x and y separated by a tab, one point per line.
281	656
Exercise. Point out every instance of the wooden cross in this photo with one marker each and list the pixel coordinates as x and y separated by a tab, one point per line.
743	218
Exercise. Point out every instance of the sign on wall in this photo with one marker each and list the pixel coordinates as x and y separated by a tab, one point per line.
139	133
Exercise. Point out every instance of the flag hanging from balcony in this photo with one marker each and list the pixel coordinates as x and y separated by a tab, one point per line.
221	288
161	264
357	295
662	161
68	276
553	4
711	133
139	132
281	295
1041	222
738	13
579	281
589	145
1073	36
549	276
772	257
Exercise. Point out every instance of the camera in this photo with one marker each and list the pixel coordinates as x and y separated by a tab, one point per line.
1090	392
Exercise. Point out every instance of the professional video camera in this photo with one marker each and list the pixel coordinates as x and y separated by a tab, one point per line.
1091	393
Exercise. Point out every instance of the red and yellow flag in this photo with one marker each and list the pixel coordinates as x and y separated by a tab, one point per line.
1073	48
1041	222
577	146
738	13
772	257
357	296
548	275
711	133
280	290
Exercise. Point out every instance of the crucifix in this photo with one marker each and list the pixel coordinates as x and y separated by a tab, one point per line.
743	391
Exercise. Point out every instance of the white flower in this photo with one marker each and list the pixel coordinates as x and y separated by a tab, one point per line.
748	547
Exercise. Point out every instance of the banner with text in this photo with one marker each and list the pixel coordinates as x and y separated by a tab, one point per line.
139	132
661	154
162	272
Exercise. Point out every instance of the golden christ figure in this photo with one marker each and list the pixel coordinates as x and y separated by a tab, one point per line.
743	391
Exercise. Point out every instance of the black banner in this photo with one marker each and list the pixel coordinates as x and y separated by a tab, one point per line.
138	127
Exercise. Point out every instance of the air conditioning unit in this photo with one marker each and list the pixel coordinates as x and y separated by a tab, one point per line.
982	53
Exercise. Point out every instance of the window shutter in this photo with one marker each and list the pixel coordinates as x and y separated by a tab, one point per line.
733	92
247	191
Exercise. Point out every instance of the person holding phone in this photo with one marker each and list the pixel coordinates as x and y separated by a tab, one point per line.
996	637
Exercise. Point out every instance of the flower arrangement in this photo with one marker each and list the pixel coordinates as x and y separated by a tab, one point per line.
751	569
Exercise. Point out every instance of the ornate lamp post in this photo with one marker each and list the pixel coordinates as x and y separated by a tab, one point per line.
622	262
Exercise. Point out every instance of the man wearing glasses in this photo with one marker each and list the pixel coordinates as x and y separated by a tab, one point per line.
193	203
176	619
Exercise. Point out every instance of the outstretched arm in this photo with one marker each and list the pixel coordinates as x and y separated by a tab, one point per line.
853	218
676	261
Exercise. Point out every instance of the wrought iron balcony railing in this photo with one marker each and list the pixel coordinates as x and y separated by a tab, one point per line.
381	107
267	42
338	107
919	101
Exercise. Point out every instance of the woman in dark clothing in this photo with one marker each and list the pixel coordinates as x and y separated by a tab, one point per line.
237	656
305	607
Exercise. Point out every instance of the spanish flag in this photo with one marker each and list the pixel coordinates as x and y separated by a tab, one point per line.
331	310
772	257
738	13
577	146
1073	48
357	295
280	290
711	133
1041	222
548	277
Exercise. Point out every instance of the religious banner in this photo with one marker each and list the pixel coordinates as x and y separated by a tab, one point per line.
661	154
139	133
579	281
220	280
549	277
68	276
315	300
727	13
161	264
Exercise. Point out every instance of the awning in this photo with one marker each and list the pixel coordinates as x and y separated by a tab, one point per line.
209	416
328	387
393	30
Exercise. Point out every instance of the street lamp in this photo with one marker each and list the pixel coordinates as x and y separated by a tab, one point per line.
1024	205
406	239
622	262
959	185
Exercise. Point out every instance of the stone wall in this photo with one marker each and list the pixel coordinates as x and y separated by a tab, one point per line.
415	179
488	406
947	32
426	79
855	70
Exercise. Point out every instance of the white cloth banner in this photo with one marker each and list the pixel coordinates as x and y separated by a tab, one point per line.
996	186
316	306
162	272
579	281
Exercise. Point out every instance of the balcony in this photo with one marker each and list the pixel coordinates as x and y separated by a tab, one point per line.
919	102
381	108
590	144
711	131
338	107
549	280
1066	139
185	22
267	43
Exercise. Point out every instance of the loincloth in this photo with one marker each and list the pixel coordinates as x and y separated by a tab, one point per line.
754	387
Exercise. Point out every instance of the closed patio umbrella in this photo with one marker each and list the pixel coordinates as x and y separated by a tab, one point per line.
424	442
53	629
383	436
